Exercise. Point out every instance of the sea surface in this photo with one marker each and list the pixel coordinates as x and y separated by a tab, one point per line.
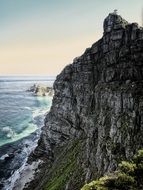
21	117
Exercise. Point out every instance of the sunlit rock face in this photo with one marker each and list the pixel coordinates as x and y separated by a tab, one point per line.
41	90
99	100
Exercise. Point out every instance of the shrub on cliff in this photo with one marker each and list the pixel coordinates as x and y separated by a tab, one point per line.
129	176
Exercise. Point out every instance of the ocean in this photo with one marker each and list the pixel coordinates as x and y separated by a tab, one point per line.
21	118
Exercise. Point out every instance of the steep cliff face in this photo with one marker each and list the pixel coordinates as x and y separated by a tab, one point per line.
96	118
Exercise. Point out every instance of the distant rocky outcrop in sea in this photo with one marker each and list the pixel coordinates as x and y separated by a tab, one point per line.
41	90
96	119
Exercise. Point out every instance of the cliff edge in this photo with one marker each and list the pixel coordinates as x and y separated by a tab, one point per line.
96	118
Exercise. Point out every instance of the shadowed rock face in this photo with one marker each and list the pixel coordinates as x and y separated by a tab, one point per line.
98	100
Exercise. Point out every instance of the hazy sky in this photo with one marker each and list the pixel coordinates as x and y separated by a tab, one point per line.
40	37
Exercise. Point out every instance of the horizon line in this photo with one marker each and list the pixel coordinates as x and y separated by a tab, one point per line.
27	75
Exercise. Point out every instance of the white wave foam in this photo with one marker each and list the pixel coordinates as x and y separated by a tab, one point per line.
4	156
12	136
39	112
9	132
23	176
27	108
25	172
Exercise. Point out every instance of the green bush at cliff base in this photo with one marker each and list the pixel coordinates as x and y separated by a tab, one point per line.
129	176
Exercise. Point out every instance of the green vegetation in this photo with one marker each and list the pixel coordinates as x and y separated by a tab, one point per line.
129	176
64	168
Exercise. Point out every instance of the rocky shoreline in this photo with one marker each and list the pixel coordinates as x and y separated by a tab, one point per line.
12	156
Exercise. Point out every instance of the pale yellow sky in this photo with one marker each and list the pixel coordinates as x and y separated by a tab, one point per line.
41	37
41	58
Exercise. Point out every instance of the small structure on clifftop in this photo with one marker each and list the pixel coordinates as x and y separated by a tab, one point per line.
115	12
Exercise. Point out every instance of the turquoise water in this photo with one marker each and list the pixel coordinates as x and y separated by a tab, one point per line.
21	113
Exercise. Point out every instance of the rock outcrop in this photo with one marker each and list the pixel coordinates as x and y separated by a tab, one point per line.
96	119
41	90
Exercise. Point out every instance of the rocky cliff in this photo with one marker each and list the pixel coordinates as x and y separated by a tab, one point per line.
96	118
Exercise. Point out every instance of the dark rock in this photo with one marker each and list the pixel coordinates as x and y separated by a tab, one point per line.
114	22
99	101
9	157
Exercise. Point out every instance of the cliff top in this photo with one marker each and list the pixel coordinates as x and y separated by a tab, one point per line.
114	22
